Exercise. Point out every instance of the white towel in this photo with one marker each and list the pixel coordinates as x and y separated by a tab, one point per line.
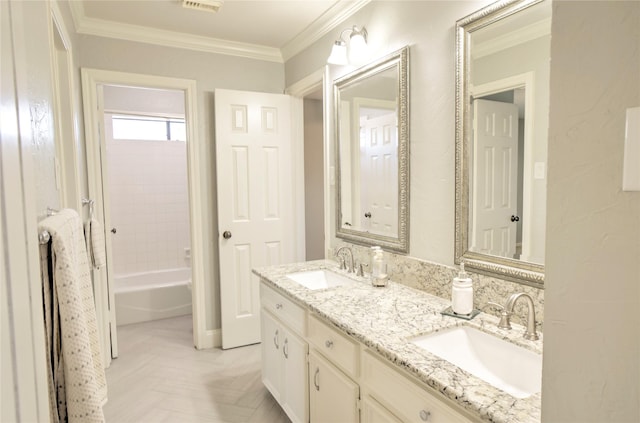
94	233
85	382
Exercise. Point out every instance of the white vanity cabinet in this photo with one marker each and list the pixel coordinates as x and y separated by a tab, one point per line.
319	374
374	412
284	353
398	395
333	397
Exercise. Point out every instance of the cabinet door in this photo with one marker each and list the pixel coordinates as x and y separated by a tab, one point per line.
271	354
373	412
294	390
333	397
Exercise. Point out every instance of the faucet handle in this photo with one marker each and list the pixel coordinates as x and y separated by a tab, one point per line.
341	260
360	269
505	316
496	305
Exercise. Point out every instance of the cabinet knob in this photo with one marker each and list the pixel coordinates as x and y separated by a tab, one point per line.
278	306
328	344
285	348
275	340
424	415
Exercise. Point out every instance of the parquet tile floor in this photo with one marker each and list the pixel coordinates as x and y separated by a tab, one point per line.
159	377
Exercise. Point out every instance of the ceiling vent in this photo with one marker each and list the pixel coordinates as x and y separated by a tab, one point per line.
206	5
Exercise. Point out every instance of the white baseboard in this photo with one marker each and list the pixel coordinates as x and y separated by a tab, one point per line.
211	339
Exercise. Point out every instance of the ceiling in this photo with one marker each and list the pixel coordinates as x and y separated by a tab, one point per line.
262	29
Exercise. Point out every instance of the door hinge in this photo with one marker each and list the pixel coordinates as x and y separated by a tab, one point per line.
357	403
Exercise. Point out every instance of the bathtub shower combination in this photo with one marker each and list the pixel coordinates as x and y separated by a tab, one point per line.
141	297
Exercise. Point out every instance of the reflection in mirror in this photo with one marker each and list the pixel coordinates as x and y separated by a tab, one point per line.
372	148
501	139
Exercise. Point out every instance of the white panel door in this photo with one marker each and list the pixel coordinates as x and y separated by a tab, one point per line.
255	202
495	164
379	144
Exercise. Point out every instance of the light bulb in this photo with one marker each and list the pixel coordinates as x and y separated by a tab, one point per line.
358	46
338	54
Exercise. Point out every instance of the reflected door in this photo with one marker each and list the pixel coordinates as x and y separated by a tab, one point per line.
255	202
494	192
379	173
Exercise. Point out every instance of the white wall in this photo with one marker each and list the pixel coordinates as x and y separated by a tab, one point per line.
210	71
39	95
428	27
591	369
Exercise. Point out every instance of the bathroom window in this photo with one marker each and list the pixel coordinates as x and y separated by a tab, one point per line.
130	127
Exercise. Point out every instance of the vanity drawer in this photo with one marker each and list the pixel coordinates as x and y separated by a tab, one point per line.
405	398
337	347
284	309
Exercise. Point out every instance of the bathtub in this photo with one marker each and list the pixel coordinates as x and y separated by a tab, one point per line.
141	297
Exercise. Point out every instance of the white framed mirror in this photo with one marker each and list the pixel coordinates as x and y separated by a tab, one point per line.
372	153
502	98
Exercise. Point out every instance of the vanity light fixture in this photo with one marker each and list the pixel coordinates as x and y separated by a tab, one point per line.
357	47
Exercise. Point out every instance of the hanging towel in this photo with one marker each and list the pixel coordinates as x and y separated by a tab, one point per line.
94	233
55	362
85	383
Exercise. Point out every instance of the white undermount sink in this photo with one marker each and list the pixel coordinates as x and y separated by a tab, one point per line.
320	279
506	366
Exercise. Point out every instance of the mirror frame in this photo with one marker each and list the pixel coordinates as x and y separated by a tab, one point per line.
400	60
531	274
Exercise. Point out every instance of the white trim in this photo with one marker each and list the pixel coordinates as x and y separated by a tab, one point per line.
211	339
526	80
306	85
66	131
23	354
297	91
91	79
513	38
334	16
329	170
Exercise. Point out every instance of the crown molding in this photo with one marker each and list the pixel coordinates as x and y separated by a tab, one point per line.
334	16
142	34
513	38
329	20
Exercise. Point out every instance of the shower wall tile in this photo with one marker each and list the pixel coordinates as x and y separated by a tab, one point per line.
148	192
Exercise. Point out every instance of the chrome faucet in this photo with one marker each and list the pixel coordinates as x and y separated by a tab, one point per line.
507	310
343	265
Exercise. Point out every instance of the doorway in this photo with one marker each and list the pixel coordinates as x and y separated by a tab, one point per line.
93	88
145	181
313	105
311	94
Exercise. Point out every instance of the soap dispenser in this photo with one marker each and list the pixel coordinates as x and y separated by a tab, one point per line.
462	293
378	267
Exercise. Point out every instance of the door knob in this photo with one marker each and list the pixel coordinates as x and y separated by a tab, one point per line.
113	230
226	234
515	218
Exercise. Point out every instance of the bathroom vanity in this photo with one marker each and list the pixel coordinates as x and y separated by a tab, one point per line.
345	353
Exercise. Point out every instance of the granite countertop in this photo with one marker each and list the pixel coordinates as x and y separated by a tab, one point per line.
384	319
